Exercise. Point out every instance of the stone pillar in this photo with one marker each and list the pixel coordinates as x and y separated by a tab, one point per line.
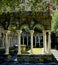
27	40
31	32
39	40
3	40
7	43
19	41
11	42
23	40
44	41
35	41
49	42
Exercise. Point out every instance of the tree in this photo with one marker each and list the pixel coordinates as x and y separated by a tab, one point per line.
14	5
8	5
54	23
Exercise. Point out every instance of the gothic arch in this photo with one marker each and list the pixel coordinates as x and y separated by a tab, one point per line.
25	27
38	26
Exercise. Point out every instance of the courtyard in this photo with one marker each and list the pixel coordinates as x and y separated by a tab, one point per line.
28	32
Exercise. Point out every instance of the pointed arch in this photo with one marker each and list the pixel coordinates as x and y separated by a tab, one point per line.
25	27
38	27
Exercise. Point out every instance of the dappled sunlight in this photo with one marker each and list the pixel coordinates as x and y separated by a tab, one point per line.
36	51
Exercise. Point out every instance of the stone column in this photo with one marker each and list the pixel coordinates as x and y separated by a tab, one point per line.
45	43
35	41
23	40
11	44
44	39
3	40
31	32
39	40
7	43
27	40
49	42
19	41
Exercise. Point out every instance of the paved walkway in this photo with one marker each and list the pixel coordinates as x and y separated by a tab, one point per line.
55	53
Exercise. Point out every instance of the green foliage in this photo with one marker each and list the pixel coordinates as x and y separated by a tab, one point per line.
14	27
14	5
10	5
54	23
39	27
26	28
38	5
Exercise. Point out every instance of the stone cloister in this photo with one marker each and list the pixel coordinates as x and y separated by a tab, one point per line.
29	22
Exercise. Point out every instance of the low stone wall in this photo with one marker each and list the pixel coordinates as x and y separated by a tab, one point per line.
36	58
28	58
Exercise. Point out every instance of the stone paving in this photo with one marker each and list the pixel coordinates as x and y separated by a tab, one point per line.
36	51
55	53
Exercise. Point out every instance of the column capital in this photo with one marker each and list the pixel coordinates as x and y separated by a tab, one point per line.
31	32
8	32
5	31
46	30
50	32
19	31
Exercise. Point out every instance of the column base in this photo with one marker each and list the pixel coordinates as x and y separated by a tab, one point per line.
31	52
6	53
47	52
18	53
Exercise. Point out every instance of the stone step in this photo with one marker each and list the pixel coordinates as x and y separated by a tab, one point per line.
55	53
56	58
